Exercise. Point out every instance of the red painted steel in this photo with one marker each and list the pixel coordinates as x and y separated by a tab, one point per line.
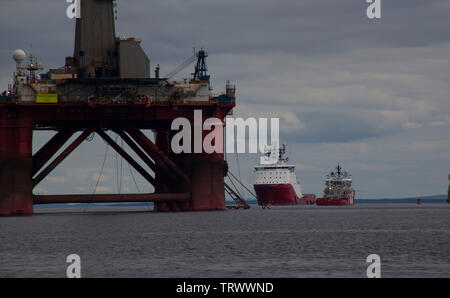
127	157
49	150
137	150
276	194
15	163
334	202
198	175
61	157
207	177
153	150
111	198
135	115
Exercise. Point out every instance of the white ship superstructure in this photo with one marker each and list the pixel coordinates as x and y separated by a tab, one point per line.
277	184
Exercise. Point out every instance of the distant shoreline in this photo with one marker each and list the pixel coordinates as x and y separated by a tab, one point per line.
425	199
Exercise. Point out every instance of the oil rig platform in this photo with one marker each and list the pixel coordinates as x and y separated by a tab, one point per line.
106	86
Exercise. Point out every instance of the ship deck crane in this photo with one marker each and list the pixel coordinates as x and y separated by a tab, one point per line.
181	67
201	70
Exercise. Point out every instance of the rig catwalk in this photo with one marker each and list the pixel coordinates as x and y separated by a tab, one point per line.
106	86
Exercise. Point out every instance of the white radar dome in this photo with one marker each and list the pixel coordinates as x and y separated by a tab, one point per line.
19	56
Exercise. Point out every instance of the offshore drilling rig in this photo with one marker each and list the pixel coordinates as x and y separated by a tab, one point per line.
106	86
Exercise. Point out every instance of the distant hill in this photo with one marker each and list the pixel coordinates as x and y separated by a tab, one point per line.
425	199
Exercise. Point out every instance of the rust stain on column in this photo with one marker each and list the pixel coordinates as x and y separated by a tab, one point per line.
16	134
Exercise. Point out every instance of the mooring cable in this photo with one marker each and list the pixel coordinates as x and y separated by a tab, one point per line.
99	176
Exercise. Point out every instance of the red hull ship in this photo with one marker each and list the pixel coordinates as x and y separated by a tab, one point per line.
339	190
334	202
276	183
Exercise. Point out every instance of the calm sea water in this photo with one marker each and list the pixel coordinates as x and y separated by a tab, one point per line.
412	241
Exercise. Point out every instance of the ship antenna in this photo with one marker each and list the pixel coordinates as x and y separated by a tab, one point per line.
283	152
339	168
268	151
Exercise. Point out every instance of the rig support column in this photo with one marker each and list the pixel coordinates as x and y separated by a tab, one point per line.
16	186
207	180
205	171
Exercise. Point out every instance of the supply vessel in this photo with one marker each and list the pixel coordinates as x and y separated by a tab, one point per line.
276	182
339	190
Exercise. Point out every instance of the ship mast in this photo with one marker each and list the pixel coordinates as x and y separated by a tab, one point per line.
280	151
339	168
33	67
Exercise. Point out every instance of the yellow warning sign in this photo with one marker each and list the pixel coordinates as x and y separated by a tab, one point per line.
46	98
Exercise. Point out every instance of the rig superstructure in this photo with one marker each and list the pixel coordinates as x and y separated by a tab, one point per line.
106	86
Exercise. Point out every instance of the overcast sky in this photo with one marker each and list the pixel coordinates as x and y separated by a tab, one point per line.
371	94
